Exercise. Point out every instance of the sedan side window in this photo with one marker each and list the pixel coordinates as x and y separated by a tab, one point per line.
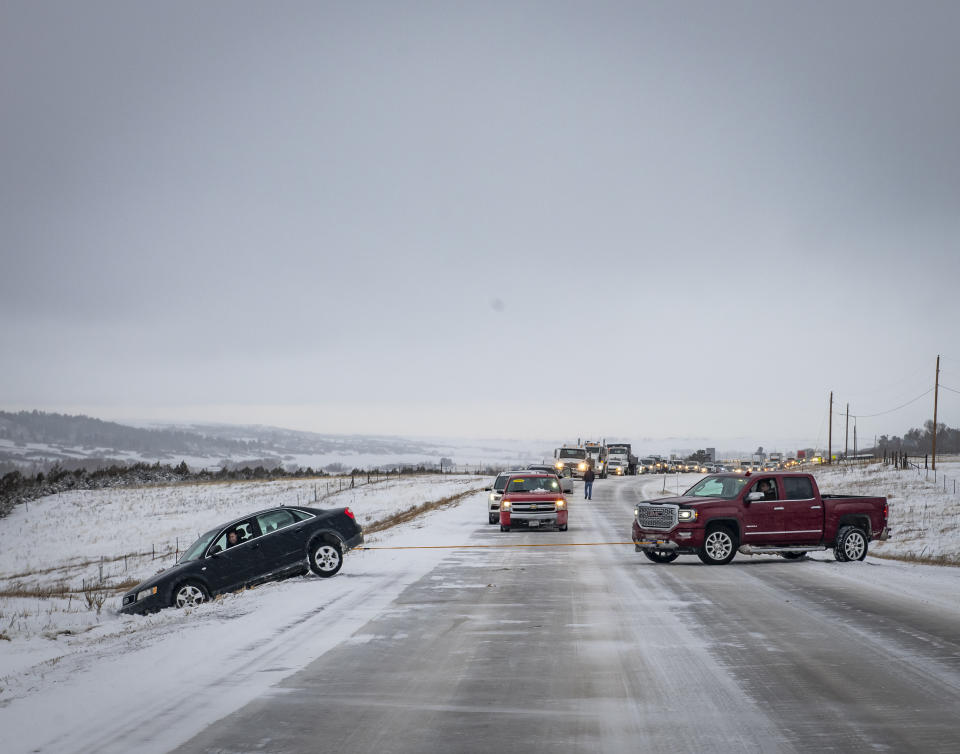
275	520
236	534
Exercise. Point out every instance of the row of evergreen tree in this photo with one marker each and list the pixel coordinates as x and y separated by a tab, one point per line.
920	441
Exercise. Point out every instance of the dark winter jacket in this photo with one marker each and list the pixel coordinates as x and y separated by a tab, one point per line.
589	476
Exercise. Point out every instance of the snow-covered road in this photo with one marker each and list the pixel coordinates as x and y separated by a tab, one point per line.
570	649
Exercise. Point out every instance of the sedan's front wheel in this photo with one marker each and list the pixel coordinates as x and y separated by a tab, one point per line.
326	558
190	594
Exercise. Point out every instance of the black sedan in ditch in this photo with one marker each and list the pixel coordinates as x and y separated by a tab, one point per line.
263	546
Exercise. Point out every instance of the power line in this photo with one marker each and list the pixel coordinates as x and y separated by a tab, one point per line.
944	387
890	411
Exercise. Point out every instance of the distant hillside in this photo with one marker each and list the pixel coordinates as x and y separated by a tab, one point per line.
83	433
33	441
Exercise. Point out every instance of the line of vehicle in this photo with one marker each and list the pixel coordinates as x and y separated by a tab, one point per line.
491	547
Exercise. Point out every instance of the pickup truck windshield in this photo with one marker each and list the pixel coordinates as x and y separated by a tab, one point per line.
573	453
533	484
725	487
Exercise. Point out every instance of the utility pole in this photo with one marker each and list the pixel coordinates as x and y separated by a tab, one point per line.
936	391
854	436
830	435
846	437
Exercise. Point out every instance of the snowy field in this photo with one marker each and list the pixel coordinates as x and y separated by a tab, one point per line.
62	554
924	514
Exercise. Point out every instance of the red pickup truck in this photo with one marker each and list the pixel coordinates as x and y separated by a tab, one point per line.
782	513
533	499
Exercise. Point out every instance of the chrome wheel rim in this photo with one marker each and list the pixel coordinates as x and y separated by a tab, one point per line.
718	545
189	596
327	558
854	546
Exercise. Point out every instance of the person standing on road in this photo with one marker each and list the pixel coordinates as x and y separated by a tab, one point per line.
588	477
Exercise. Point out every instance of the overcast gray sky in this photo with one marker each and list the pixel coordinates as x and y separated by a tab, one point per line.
508	219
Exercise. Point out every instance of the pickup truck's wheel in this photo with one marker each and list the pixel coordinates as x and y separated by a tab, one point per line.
851	544
661	556
494	518
719	546
561	527
504	528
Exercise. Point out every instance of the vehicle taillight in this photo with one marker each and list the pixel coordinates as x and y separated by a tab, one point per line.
885	510
349	513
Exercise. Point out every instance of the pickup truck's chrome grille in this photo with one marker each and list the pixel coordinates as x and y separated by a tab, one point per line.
659	517
544	507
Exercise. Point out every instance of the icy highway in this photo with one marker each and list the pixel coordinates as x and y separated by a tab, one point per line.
595	648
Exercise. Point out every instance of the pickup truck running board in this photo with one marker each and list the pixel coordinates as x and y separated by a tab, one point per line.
755	550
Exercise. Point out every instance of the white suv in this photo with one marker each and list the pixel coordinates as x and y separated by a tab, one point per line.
496	492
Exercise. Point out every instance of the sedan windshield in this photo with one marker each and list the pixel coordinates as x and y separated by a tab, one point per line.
725	487
195	550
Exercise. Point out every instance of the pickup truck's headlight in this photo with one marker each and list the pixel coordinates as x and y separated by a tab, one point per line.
561	503
493	496
504	504
144	593
686	514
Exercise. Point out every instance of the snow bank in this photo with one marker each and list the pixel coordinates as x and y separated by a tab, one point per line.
924	519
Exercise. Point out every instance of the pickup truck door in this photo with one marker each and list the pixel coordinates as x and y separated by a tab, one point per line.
803	511
762	519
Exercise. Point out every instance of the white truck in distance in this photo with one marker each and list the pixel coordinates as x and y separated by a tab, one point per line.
571	460
597	457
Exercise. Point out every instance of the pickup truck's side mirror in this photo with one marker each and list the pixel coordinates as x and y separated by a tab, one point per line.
754	496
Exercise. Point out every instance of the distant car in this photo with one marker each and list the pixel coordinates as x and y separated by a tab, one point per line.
566	483
496	492
648	465
263	546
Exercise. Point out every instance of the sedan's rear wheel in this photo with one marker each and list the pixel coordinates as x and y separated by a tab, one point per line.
326	558
190	594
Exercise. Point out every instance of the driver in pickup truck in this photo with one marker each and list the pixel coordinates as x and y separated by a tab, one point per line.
766	487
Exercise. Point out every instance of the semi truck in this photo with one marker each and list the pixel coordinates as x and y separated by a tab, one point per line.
571	461
621	451
597	457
